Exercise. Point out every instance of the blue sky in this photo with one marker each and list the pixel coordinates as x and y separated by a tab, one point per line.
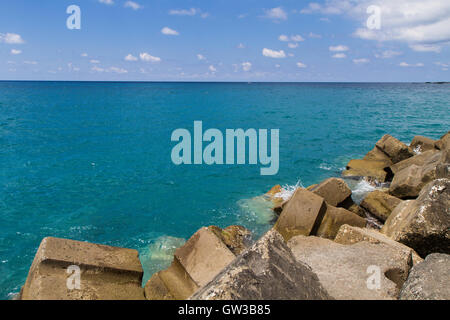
218	40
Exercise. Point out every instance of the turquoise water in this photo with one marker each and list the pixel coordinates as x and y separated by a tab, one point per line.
91	161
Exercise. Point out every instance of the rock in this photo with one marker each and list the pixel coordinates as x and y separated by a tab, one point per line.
373	169
444	142
407	183
301	215
419	160
266	271
350	235
422	144
274	196
423	224
236	238
336	217
346	271
199	260
333	190
380	204
311	187
106	273
394	148
428	280
377	154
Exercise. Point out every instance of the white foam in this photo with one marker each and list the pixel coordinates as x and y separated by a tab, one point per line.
288	190
361	189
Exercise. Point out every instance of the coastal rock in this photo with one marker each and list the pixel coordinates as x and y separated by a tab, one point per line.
106	273
336	217
373	169
333	190
428	280
350	235
418	160
347	271
444	142
380	204
423	224
266	271
301	215
394	148
422	144
236	238
407	183
199	260
378	155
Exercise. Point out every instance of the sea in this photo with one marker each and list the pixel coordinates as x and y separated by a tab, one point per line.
91	161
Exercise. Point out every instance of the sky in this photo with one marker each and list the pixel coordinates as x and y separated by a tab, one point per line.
226	40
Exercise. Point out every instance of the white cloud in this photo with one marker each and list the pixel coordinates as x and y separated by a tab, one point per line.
184	12
292	45
425	48
169	32
11	38
212	68
283	37
189	12
118	70
149	58
409	21
340	56
361	61
108	2
404	64
301	65
94	61
132	5
387	54
130	57
201	57
339	48
241	46
276	14
84	55
297	38
15	51
246	66
273	54
314	36
97	69
30	62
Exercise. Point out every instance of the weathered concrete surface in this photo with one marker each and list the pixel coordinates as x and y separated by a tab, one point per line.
350	235
198	261
377	154
394	148
266	271
236	238
373	169
423	224
444	142
107	273
422	144
301	215
428	280
408	182
336	217
345	270
333	190
380	204
418	160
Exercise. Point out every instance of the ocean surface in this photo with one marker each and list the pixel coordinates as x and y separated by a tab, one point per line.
92	161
